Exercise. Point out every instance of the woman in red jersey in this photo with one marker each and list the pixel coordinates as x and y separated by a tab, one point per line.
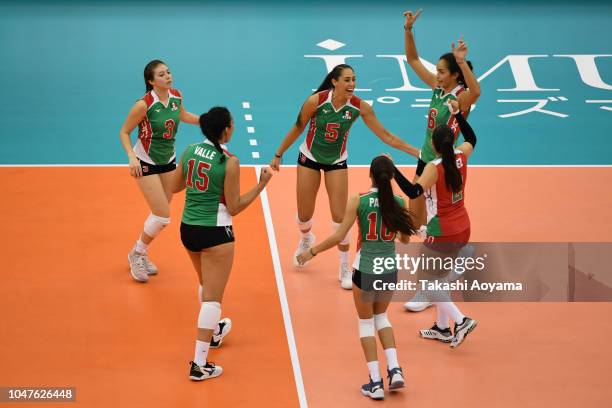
448	224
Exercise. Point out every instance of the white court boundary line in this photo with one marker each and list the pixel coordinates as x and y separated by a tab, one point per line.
280	284
258	166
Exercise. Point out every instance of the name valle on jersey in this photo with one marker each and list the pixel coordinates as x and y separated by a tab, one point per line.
205	153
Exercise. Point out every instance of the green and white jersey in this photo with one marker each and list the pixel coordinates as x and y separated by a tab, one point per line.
439	114
157	131
329	129
204	181
375	241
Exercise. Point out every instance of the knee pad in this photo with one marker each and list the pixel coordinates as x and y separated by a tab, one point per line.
304	225
154	224
381	321
347	238
366	327
210	313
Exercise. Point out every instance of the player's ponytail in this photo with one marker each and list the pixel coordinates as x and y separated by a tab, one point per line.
443	141
149	73
213	123
395	217
454	68
334	74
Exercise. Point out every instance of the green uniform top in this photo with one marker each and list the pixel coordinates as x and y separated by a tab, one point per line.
375	241
204	181
439	114
328	133
157	131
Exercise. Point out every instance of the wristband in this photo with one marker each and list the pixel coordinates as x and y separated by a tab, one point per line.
311	253
278	156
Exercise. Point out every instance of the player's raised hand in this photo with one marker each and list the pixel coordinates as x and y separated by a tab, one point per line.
460	51
411	18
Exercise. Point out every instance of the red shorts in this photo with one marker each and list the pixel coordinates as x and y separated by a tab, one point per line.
447	243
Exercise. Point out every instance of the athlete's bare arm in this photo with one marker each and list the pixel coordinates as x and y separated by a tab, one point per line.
372	122
136	115
308	110
412	55
188	117
235	202
471	95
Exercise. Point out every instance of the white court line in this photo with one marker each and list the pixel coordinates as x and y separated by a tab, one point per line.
280	284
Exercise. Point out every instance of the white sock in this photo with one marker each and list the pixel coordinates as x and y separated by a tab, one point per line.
201	352
442	318
305	227
344	256
391	354
451	311
141	247
374	370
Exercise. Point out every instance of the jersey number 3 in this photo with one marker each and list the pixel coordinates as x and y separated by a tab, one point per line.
169	125
201	182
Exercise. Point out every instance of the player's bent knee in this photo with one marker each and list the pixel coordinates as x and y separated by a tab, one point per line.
381	321
210	313
155	224
366	327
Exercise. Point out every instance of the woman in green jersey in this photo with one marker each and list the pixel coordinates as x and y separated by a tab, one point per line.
382	217
152	160
330	111
453	80
211	176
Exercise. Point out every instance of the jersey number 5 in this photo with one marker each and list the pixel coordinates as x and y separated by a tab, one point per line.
331	132
169	125
201	182
386	235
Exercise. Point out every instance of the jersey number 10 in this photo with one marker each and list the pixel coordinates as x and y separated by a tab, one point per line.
385	234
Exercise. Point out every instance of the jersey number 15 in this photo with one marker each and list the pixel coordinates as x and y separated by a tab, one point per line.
201	181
